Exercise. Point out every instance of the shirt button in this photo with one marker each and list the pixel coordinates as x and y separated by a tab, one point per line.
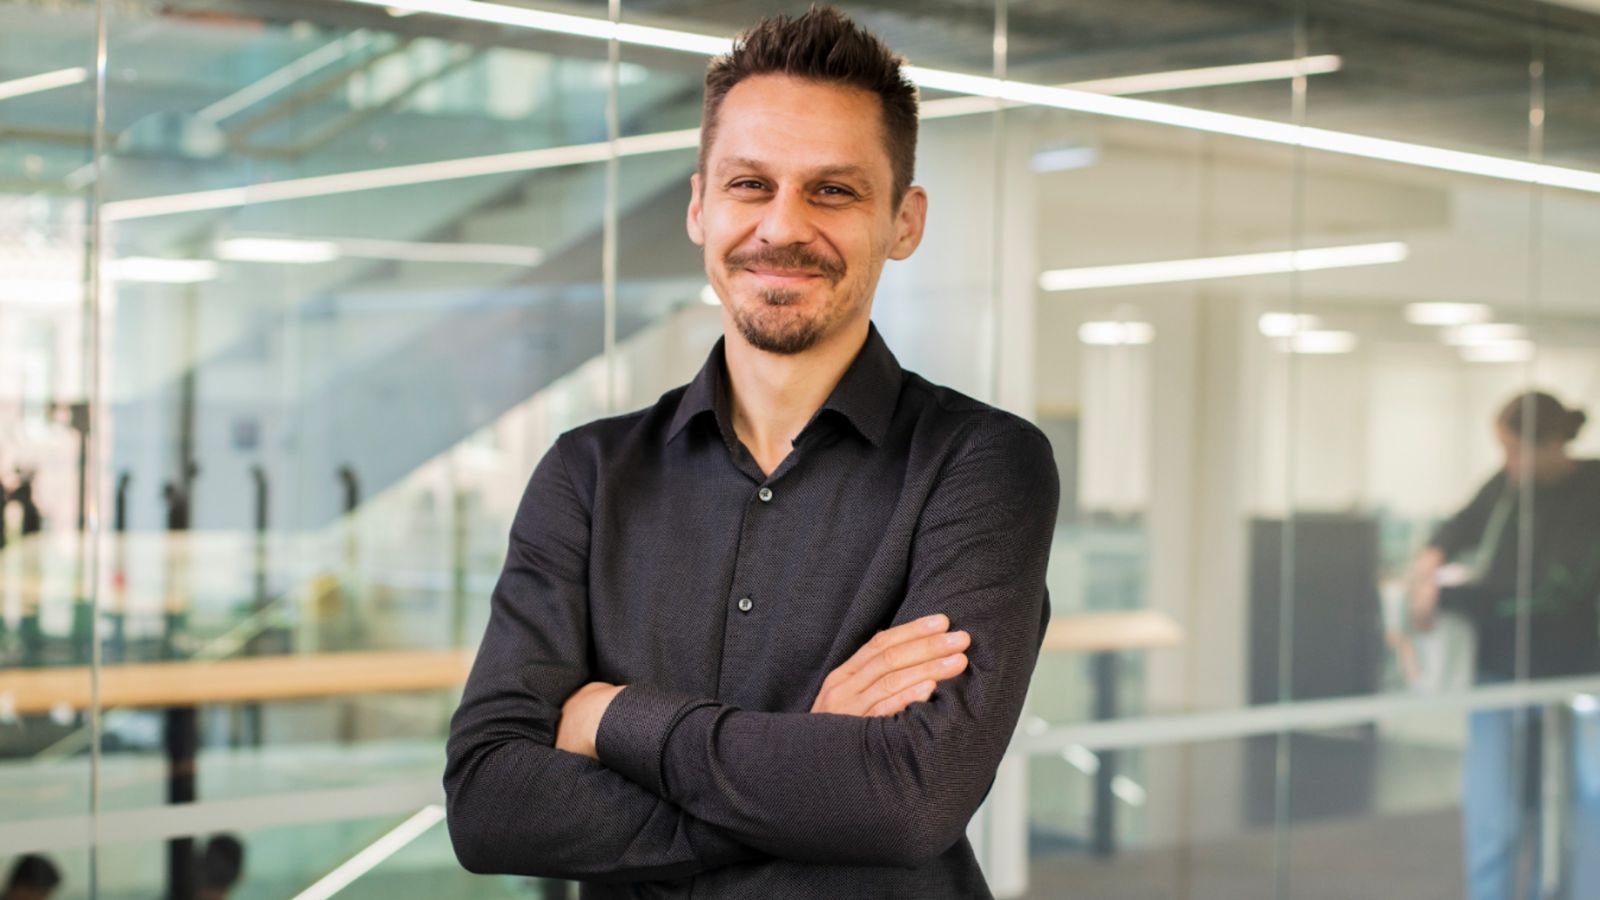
765	494
745	604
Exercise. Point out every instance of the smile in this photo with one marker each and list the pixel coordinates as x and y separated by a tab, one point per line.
784	276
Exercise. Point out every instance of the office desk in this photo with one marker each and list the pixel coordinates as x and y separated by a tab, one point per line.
1104	635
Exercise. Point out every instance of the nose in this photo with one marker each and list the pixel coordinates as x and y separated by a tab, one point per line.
786	220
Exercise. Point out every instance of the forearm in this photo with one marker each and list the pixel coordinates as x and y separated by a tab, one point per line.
520	806
817	787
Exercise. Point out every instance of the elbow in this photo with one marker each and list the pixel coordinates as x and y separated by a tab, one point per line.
913	834
473	845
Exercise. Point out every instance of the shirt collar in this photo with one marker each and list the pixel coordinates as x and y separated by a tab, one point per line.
866	396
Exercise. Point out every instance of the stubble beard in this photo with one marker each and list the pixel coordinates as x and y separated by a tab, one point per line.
771	329
768	324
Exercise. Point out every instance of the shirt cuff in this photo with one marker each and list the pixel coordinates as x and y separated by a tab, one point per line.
633	732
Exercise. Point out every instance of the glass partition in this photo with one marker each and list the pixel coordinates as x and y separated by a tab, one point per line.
283	335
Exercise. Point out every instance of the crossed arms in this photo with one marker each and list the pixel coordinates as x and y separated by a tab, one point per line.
684	784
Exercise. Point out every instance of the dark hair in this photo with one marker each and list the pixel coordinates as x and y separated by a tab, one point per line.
1550	421
222	862
821	45
33	871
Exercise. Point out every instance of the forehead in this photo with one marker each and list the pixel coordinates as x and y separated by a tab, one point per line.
791	123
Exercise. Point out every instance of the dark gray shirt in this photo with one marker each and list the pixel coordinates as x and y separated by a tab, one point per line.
649	550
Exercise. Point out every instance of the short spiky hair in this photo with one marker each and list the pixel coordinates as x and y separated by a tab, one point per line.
821	45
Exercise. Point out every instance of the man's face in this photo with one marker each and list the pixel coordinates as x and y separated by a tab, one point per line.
796	210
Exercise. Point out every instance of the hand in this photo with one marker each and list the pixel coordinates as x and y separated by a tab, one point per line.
1424	593
896	668
580	717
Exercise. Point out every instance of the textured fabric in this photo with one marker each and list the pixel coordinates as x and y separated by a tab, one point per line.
645	552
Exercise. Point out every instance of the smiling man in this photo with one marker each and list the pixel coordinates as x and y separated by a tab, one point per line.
769	637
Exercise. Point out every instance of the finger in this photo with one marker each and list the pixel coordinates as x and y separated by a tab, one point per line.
933	670
922	690
891	637
905	656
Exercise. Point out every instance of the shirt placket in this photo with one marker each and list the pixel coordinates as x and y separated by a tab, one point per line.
753	589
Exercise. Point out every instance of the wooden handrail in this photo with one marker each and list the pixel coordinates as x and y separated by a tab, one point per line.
246	680
1103	632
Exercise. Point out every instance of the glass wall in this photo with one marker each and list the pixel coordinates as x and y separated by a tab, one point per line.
293	298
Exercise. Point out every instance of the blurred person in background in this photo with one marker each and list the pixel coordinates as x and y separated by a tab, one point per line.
221	864
32	878
1543	627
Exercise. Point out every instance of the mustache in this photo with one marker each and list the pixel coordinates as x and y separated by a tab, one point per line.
790	257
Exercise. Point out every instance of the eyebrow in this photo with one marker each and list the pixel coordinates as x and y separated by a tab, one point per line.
836	171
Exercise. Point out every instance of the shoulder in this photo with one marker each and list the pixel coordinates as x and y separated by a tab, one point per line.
969	426
1589	474
616	440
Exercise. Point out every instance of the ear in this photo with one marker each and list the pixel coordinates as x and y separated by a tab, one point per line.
908	223
697	232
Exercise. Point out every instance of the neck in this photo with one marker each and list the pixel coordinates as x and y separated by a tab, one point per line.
774	395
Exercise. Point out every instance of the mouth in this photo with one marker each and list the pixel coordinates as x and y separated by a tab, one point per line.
784	277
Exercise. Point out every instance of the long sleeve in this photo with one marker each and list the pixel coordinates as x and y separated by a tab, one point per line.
1464	530
894	790
515	803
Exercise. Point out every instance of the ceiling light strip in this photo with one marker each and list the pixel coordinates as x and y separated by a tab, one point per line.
1204	268
1211	76
33	84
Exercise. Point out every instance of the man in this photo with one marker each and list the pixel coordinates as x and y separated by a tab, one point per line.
711	661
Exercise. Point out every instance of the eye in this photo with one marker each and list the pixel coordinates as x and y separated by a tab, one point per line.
834	190
746	184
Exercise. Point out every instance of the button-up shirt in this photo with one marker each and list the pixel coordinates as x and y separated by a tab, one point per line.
650	550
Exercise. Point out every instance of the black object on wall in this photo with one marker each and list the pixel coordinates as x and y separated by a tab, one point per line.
1336	650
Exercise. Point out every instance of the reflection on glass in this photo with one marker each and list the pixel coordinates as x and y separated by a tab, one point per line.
354	284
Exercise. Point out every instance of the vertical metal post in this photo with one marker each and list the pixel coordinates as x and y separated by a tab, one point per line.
1103	668
183	743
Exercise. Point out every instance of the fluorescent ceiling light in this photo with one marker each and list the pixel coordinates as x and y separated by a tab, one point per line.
276	250
376	852
40	291
1499	352
1255	129
947	107
1447	313
1115	334
432	251
1318	342
161	271
1222	266
1281	324
561	23
300	250
44	82
1061	159
708	296
1483	333
1212	76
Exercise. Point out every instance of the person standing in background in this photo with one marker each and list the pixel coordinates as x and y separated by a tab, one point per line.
1536	613
32	877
